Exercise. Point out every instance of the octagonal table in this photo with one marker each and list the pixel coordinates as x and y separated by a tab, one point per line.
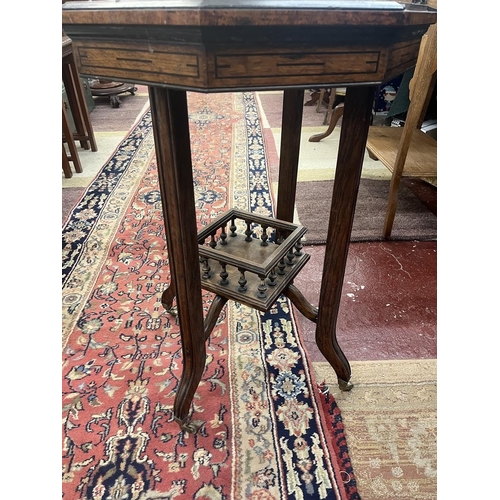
174	46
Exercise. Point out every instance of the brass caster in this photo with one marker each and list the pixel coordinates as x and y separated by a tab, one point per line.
345	386
186	426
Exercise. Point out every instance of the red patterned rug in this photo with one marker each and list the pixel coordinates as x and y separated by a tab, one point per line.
266	430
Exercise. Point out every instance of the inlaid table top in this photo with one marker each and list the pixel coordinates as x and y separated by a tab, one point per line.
216	45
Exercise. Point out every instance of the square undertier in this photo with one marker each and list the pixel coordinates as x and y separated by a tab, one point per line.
268	268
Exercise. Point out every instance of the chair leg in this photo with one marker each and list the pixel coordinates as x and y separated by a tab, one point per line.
392	204
336	115
371	154
329	109
65	164
68	138
320	100
77	103
74	104
419	87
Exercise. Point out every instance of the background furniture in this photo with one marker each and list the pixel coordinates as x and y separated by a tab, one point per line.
76	97
68	138
89	99
336	97
408	151
175	47
336	115
77	105
108	88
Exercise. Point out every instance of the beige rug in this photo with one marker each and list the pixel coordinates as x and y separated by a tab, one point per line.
390	419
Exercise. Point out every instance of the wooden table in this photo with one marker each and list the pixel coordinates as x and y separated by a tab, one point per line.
219	46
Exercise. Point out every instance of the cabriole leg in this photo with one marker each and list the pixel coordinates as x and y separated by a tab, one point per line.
354	132
173	152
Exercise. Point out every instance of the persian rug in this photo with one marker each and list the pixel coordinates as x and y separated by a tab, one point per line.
264	431
391	414
413	220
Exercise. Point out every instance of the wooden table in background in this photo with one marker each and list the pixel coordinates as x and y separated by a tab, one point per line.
215	46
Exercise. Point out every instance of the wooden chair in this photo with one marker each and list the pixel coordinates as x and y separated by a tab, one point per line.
76	103
69	139
334	112
337	114
407	151
336	95
76	97
332	102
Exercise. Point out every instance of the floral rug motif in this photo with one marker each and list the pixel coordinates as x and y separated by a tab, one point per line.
264	432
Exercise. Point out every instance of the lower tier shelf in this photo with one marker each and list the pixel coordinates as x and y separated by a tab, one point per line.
251	296
249	258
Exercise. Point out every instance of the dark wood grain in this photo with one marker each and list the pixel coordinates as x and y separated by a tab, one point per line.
213	314
245	12
353	135
207	67
173	154
301	303
291	127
